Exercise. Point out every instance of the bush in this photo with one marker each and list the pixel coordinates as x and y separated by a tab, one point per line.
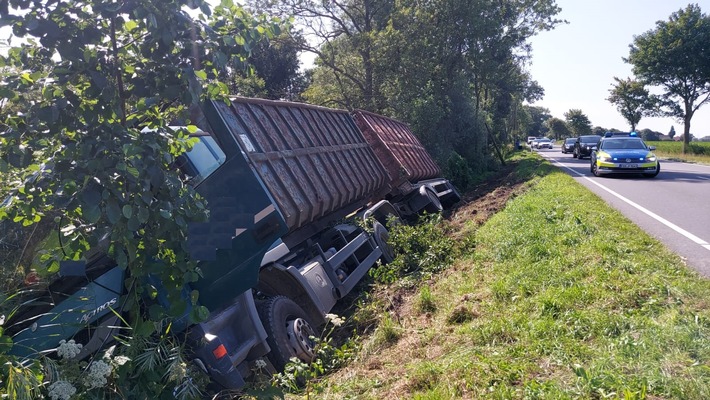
458	171
421	249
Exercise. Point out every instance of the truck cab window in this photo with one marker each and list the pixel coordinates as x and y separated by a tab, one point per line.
204	158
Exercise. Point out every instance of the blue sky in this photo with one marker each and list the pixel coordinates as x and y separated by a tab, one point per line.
576	62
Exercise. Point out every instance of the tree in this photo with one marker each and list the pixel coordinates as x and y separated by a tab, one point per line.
342	34
649	135
558	128
578	122
671	133
674	56
538	116
598	130
113	76
631	99
276	63
446	67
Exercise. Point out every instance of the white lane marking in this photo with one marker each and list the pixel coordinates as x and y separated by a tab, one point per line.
651	214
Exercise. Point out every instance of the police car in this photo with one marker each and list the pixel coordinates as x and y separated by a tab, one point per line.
624	153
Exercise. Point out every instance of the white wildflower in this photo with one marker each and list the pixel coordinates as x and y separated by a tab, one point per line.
68	349
97	374
260	364
120	360
61	390
334	319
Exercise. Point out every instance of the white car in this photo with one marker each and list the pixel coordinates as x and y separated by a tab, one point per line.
543	143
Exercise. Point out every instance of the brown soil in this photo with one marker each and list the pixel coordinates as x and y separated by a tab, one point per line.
487	198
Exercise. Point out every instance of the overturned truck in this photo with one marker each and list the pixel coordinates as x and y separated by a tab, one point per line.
286	184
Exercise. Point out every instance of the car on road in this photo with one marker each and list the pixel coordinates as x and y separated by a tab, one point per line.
585	145
543	143
530	139
568	145
624	155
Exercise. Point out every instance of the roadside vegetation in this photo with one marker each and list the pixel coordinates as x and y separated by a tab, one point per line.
555	296
698	152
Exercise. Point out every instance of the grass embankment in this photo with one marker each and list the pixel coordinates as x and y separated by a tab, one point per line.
557	296
698	152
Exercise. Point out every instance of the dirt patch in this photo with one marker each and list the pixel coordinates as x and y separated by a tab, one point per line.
486	199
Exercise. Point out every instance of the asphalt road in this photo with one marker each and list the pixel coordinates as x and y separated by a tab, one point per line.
674	207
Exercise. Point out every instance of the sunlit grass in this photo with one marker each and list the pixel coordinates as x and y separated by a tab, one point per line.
698	152
562	297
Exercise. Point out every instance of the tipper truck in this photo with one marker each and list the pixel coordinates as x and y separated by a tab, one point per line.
285	184
415	179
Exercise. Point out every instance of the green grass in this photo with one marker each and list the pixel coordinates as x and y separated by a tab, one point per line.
562	297
697	152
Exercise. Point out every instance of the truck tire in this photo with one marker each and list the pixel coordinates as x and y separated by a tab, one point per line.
288	329
434	206
381	236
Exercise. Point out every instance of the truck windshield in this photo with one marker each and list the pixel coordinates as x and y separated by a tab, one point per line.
203	159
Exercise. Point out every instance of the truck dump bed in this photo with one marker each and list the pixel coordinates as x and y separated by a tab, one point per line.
397	148
313	160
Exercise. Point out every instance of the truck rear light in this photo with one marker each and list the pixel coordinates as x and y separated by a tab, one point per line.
220	351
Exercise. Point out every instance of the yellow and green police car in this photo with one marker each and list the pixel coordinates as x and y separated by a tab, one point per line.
624	154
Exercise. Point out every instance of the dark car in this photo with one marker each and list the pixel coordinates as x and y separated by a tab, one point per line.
624	155
585	145
568	145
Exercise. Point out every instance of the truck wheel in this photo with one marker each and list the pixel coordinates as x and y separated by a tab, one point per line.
381	236
434	206
288	329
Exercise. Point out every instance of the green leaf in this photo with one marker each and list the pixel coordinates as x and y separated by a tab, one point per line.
133	171
127	211
201	74
133	224
152	21
143	215
6	93
130	25
156	312
5	343
91	195
121	259
92	213
144	328
113	211
199	314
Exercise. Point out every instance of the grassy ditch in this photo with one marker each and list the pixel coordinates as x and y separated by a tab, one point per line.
556	296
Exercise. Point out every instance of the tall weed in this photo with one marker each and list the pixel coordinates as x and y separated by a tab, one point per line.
422	250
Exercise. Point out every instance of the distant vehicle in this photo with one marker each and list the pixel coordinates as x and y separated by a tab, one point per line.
530	139
568	145
624	155
585	145
543	143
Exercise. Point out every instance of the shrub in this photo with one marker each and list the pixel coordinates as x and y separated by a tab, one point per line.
458	171
422	250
